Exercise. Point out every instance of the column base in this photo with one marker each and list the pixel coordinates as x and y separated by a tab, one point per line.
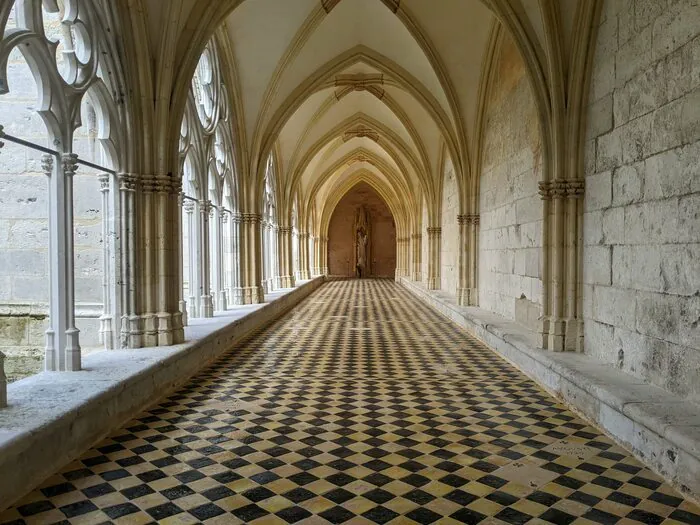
104	335
286	281
432	284
193	307
416	276
73	361
50	361
468	296
304	275
253	295
131	335
221	302
183	313
562	335
150	330
206	306
165	328
237	296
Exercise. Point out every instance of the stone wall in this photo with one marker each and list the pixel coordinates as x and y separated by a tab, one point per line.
642	205
449	250
382	245
24	268
511	211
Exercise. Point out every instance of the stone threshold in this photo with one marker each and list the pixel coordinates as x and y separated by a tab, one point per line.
54	417
662	430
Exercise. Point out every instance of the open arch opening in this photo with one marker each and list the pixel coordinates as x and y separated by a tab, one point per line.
380	247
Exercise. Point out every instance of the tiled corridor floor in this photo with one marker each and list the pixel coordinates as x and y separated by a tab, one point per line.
360	406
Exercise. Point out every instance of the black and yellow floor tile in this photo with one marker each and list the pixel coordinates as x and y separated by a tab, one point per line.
361	405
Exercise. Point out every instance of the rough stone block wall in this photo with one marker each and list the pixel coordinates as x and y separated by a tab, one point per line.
510	241
449	251
382	236
641	268
24	231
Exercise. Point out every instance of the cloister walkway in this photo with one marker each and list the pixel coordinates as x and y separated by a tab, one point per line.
361	405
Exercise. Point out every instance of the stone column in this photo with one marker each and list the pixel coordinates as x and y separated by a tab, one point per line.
251	248
562	324
62	350
317	256
284	261
304	270
217	258
467	294
225	294
3	382
237	264
147	268
182	303
131	332
417	256
170	327
323	241
206	305
193	258
434	239
105	331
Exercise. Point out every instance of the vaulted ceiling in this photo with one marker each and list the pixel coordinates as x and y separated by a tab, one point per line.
340	90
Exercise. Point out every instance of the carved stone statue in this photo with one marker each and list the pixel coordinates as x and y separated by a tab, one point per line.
361	237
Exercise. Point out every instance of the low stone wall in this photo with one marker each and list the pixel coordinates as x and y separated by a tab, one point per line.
660	429
53	417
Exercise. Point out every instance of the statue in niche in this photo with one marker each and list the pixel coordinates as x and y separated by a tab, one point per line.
361	237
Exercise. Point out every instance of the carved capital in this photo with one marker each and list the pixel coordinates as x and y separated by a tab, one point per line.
251	218
127	181
47	164
562	189
104	182
224	218
2	134
69	161
284	230
188	206
435	230
205	208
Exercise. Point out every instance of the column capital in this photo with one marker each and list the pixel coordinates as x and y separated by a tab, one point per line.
434	230
224	218
284	230
47	164
188	205
104	182
469	218
2	134
205	207
562	189
69	161
251	218
127	181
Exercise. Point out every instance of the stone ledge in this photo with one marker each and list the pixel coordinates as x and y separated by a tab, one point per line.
53	417
660	429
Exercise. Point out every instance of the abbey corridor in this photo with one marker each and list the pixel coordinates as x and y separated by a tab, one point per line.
350	261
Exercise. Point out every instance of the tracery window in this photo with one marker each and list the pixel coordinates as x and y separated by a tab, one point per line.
63	147
209	202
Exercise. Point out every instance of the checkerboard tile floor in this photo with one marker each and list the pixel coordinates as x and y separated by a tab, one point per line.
360	406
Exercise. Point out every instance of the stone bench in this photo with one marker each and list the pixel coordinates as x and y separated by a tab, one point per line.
54	417
660	429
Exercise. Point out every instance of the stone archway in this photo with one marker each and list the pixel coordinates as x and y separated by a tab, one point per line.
381	244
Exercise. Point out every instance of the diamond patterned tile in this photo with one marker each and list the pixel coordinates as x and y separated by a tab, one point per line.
362	405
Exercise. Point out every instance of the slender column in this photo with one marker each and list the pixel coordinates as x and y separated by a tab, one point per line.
284	250
275	278
105	331
147	267
131	333
224	293
562	328
172	255
53	332
192	258
217	259
181	241
304	270
206	305
323	255
417	256
467	293
166	261
434	239
251	246
3	382
317	256
236	260
72	344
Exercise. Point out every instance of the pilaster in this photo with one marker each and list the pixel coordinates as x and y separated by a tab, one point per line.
304	269
284	250
434	240
251	248
562	324
417	254
131	331
467	291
